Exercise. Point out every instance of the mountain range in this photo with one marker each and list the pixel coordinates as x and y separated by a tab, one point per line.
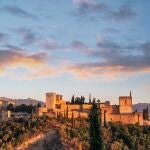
28	101
140	106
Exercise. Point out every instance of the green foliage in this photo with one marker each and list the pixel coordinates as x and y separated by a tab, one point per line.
133	136
90	100
80	132
16	131
78	100
96	141
72	100
10	107
82	99
145	114
25	108
114	136
38	105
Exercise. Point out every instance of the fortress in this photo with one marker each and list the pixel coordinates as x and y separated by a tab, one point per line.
109	113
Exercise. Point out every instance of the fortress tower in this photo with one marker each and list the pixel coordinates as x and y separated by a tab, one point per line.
53	100
50	101
125	104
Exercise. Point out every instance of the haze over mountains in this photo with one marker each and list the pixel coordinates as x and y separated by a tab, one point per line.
27	101
140	106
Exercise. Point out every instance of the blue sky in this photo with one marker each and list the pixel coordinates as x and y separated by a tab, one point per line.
75	47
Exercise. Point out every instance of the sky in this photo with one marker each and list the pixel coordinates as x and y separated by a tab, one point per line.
76	47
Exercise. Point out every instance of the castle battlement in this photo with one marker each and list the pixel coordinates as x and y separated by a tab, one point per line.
110	113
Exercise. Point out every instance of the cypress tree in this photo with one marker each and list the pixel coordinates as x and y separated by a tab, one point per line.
96	141
38	104
67	112
72	100
82	99
90	101
64	114
72	120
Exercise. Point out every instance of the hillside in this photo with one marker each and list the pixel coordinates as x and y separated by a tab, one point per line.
140	106
27	101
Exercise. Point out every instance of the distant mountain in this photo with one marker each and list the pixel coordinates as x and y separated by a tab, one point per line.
7	99
27	101
140	106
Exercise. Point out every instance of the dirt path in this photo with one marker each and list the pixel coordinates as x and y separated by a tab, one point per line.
51	141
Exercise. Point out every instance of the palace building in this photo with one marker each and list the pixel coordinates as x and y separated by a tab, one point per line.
109	113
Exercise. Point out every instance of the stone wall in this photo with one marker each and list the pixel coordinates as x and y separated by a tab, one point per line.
125	118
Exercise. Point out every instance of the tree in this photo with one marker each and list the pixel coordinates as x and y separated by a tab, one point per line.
72	99
145	113
90	101
10	107
78	100
98	101
38	105
82	99
73	120
67	112
96	142
94	100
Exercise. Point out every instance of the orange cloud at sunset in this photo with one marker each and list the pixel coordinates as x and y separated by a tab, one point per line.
105	72
35	65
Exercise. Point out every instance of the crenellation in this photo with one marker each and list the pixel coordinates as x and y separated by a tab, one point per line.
109	113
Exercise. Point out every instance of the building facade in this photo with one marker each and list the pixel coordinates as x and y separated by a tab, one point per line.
4	113
109	113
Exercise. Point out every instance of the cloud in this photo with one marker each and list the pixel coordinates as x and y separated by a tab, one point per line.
80	46
111	61
3	37
80	1
15	10
96	11
111	30
114	61
50	44
123	13
32	66
13	47
89	6
28	36
107	44
106	72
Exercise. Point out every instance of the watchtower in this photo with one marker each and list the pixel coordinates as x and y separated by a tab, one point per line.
125	104
50	101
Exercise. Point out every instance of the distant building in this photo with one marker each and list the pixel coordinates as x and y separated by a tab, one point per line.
110	113
4	103
4	113
41	111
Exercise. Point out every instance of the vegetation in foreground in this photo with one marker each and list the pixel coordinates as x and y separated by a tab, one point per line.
80	132
96	140
113	136
16	131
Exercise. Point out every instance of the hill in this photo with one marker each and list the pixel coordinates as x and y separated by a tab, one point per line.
28	101
140	106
